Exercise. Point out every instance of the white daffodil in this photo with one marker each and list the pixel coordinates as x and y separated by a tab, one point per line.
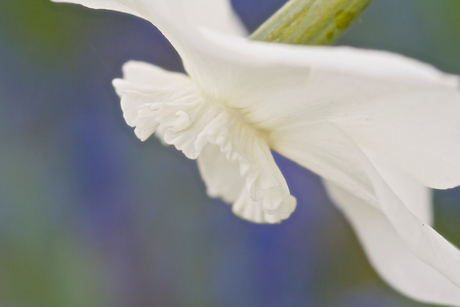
379	128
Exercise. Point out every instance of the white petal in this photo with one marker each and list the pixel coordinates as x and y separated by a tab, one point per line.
328	151
417	129
390	256
406	110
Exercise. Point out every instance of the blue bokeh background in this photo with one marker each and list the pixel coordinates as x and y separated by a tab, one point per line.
90	216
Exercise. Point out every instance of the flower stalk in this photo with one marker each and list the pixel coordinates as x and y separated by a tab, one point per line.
310	22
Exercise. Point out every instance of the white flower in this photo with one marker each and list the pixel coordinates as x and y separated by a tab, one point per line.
378	127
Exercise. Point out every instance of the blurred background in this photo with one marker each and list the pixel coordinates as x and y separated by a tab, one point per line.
91	216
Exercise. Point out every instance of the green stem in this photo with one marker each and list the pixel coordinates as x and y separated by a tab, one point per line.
310	22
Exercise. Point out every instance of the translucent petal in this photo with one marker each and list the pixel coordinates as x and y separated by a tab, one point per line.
325	149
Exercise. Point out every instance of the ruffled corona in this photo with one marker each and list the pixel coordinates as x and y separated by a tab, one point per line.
203	127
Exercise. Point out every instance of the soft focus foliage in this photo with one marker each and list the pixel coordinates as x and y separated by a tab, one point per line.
89	216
